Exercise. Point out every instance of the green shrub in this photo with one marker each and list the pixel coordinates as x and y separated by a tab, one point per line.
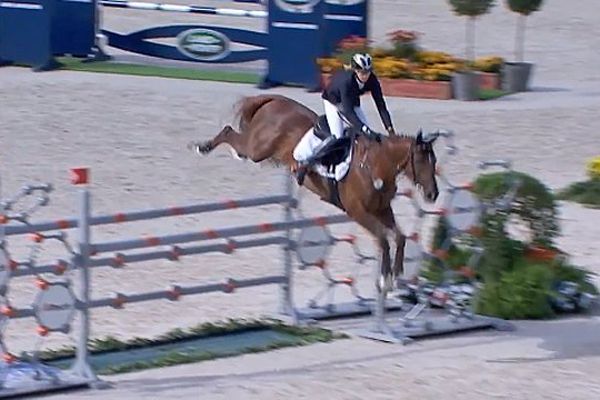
471	9
521	293
516	285
524	8
587	193
534	204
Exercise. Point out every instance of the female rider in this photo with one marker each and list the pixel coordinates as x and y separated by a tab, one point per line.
341	100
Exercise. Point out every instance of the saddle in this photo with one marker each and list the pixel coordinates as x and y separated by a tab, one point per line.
334	151
333	154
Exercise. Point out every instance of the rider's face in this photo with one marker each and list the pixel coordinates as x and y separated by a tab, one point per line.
363	76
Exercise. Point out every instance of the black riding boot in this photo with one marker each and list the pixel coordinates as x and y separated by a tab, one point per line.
320	151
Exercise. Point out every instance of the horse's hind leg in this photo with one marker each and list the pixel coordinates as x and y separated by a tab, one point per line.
240	142
227	135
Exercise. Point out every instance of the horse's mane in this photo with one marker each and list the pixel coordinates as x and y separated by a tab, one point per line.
400	137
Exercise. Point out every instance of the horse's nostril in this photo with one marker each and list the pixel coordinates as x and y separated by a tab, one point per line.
432	196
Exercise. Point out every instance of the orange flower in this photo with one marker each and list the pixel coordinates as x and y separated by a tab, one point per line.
353	42
403	36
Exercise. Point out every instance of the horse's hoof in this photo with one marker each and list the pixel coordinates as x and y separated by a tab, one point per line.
385	283
191	146
235	155
199	147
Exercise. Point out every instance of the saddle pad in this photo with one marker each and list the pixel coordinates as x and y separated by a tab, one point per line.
306	147
339	171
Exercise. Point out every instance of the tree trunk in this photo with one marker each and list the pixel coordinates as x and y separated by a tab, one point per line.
470	39
520	38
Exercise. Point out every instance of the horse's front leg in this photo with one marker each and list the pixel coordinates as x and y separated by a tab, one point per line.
379	231
387	219
386	276
384	280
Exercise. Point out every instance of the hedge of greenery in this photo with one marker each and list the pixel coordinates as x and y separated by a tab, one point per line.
519	275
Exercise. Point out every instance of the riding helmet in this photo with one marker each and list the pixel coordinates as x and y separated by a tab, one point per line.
362	62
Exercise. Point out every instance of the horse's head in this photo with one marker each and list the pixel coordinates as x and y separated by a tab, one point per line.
413	156
421	166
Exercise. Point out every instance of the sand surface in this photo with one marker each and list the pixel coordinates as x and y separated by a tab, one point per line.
132	132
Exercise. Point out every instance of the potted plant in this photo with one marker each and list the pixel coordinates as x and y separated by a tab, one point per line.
465	81
516	74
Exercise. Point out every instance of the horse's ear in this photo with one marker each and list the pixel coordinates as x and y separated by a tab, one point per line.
431	137
420	136
428	138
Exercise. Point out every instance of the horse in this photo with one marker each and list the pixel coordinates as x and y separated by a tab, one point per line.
270	126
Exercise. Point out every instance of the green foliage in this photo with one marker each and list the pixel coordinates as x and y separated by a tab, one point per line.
440	234
534	203
299	336
515	283
434	273
471	8
500	254
491	94
408	51
518	294
109	67
587	192
457	257
524	7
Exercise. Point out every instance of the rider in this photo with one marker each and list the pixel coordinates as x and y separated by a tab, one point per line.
342	108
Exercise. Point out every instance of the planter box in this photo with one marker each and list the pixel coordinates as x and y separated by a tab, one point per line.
413	88
489	80
409	88
465	85
516	76
441	90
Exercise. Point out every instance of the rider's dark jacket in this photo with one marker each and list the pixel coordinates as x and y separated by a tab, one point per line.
344	92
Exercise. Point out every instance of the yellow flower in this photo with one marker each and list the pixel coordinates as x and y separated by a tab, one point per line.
378	52
593	168
329	64
488	63
434	57
390	67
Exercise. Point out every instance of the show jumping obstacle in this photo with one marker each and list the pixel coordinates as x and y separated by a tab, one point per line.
58	303
33	32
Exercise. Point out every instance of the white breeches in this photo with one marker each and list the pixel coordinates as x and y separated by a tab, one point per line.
309	142
336	123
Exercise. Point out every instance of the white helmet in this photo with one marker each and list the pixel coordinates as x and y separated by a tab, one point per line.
362	61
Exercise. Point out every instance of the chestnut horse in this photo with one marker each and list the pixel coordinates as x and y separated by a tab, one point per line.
270	126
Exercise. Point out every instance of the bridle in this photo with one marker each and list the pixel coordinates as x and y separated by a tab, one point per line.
401	166
405	164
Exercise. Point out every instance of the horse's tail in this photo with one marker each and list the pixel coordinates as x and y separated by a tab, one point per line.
248	106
